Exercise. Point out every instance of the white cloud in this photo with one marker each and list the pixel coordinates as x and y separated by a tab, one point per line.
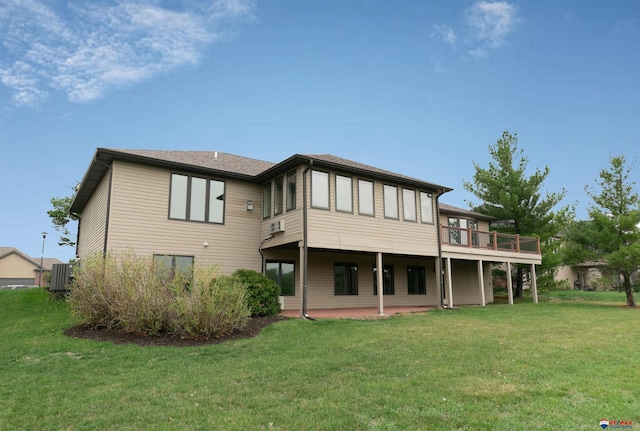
486	27
444	33
89	48
491	22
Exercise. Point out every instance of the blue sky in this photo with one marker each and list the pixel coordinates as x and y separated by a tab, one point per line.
421	88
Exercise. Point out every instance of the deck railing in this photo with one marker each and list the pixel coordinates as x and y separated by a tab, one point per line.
472	238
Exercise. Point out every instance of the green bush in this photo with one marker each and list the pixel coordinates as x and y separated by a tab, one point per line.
137	295
263	294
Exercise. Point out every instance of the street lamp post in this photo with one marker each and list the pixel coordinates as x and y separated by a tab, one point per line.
44	236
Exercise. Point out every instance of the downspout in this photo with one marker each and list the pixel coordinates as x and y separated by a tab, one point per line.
106	222
262	254
79	218
305	247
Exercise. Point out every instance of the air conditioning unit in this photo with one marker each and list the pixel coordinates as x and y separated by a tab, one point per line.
277	226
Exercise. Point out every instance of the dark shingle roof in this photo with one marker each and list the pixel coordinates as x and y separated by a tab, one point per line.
229	165
450	209
214	160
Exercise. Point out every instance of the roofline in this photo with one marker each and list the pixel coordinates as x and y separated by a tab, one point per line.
450	209
103	158
298	159
14	250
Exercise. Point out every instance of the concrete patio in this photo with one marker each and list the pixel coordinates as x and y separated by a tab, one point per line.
355	313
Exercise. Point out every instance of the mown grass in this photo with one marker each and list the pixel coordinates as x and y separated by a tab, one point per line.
560	364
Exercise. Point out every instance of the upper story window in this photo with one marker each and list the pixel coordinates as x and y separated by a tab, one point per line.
365	198
344	194
278	198
196	199
426	207
319	189
409	205
291	190
266	200
390	201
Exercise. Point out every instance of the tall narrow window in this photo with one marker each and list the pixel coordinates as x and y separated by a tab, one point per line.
178	204
409	204
196	199
345	277
426	207
344	194
291	190
278	198
319	189
365	198
282	273
198	193
416	280
387	280
266	200
216	201
390	202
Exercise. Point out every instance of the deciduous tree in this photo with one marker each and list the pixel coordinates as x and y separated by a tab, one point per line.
61	217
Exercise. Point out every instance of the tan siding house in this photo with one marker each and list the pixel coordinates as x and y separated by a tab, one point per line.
331	231
18	269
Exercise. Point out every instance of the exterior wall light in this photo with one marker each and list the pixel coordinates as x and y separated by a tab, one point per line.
249	206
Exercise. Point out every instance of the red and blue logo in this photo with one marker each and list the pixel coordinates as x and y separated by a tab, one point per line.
621	425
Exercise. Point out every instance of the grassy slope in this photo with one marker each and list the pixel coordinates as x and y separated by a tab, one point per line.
561	364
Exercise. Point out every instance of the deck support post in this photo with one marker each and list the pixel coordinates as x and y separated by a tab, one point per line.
481	283
534	283
380	281
509	283
449	284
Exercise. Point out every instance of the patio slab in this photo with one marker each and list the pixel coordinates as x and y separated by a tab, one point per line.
355	313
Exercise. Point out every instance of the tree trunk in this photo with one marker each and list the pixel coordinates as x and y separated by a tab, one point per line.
628	289
519	282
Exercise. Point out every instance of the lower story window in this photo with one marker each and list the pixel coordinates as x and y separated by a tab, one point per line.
345	278
282	273
175	265
416	279
387	280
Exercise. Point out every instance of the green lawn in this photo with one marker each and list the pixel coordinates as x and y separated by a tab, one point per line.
561	364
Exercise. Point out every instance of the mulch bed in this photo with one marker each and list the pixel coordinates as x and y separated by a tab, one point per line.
253	328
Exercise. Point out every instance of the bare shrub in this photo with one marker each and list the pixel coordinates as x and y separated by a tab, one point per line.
137	295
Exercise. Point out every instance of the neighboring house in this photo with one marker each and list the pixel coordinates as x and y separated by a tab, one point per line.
18	269
329	230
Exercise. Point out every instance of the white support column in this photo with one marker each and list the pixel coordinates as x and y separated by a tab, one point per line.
534	283
449	284
380	279
481	283
301	277
509	283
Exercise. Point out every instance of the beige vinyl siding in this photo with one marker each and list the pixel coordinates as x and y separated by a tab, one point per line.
464	279
320	286
320	293
93	223
14	266
346	231
140	220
